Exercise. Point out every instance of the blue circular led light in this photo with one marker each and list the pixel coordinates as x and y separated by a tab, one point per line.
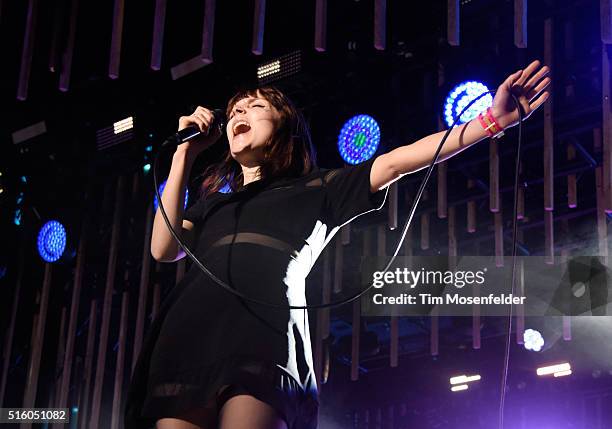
533	340
460	97
161	193
358	139
51	241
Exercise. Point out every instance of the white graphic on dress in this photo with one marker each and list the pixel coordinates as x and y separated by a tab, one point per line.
295	278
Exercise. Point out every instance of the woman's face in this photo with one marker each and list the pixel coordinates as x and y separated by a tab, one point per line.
250	127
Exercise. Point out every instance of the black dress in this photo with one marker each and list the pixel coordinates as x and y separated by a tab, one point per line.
262	240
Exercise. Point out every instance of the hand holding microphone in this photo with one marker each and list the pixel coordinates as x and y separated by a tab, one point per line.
199	130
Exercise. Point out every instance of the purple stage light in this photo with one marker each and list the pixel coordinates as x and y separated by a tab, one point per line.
358	139
51	241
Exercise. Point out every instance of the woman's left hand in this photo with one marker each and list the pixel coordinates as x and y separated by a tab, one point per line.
530	86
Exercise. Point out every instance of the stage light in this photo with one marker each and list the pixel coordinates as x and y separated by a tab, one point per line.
533	340
17	217
563	373
268	69
147	162
111	136
460	97
358	139
161	193
123	125
73	417
459	388
18	212
51	241
460	379
279	68
552	369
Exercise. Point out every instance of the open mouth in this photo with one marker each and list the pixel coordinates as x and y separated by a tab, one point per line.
241	127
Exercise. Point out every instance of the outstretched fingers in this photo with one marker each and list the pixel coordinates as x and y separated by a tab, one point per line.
532	86
533	93
527	72
539	100
533	81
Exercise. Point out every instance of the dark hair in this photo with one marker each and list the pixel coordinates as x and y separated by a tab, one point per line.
289	152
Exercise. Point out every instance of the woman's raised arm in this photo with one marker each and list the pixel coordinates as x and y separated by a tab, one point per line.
164	247
530	86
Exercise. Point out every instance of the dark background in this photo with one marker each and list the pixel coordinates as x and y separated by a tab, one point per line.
67	178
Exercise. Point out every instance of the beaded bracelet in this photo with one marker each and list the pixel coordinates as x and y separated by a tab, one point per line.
491	126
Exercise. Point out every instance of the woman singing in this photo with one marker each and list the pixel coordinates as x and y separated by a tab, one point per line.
211	359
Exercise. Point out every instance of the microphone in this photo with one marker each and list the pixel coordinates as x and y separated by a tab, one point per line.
193	131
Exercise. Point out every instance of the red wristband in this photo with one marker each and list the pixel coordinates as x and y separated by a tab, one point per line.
492	119
490	124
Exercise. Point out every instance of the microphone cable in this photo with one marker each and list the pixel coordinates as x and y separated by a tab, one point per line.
517	172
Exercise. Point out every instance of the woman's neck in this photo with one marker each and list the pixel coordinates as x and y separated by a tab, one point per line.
250	174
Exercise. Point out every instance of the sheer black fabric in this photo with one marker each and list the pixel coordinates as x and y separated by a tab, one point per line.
261	240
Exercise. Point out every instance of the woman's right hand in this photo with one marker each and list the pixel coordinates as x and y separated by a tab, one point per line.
201	118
